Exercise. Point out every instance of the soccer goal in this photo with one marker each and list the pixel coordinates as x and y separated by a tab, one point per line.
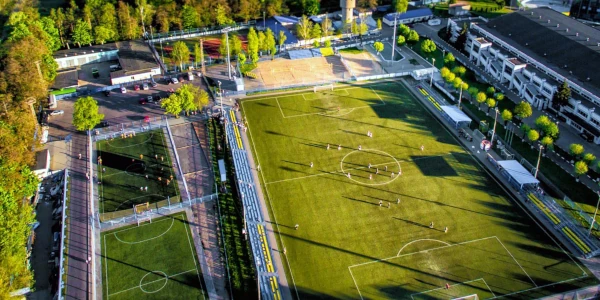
141	208
142	219
468	297
327	87
129	133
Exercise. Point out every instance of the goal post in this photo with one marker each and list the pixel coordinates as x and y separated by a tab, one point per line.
141	208
147	218
468	297
326	87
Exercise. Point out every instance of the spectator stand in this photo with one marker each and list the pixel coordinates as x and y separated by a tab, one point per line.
255	228
455	116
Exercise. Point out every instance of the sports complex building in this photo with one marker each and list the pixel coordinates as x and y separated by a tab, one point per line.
534	51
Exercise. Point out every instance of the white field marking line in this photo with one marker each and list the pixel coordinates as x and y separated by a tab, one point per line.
325	97
169	163
125	171
422	251
358	168
101	187
140	143
151	282
338	88
279	105
410	92
142	241
420	240
271	205
158	290
194	258
372	150
541	286
488	287
328	113
106	265
356	284
459	283
382	102
516	261
131	199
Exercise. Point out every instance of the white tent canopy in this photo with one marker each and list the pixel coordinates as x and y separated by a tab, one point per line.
455	115
517	172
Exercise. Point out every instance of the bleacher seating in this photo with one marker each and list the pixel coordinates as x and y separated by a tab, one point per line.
541	206
301	54
431	99
576	240
316	52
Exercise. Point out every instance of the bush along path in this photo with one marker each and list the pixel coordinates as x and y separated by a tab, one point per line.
235	248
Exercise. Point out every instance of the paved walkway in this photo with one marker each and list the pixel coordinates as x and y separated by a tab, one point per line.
79	270
567	134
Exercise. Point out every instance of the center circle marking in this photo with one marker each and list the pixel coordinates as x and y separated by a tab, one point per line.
370	150
157	290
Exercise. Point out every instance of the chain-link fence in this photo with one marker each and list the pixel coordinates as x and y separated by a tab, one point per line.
115	131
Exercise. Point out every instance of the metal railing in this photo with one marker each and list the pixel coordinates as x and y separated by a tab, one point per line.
61	268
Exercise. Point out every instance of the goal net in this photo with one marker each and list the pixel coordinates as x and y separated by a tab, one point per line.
468	297
142	208
327	87
143	219
127	134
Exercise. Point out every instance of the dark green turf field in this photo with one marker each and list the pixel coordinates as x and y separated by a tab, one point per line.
155	260
125	171
348	245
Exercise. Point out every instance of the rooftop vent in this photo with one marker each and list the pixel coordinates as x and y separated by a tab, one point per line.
545	54
598	44
540	17
548	21
571	72
526	44
567	29
587	39
577	34
532	13
588	79
557	25
565	66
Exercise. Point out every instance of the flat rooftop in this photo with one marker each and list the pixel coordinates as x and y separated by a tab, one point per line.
134	57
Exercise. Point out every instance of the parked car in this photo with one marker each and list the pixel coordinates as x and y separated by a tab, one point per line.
123	90
136	87
142	101
150	99
107	93
174	80
587	137
153	83
145	86
103	124
57	112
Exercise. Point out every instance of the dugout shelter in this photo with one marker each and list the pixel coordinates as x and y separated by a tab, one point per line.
517	175
455	116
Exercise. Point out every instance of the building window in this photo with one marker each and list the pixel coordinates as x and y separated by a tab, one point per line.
596	122
576	125
507	70
571	106
529	93
547	90
582	113
518	81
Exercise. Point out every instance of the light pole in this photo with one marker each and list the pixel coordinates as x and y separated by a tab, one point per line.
460	97
226	31
394	41
431	80
494	130
221	96
537	166
594	219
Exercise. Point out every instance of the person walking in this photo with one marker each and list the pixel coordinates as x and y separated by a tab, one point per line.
296	226
431	225
446	229
311	164
398	201
79	155
380	203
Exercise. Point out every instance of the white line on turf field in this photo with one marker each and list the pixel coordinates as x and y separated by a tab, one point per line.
421	240
106	265
382	102
142	241
125	171
516	261
132	199
194	256
460	283
422	251
415	95
359	168
271	205
151	282
356	284
489	287
541	286
137	144
280	109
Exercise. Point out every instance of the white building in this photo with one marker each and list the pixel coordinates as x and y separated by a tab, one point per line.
533	52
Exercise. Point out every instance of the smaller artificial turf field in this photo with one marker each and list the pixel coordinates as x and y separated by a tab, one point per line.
125	171
367	234
156	260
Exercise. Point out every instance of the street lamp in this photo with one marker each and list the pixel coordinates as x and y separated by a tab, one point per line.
460	96
226	31
221	96
494	130
431	80
394	41
537	166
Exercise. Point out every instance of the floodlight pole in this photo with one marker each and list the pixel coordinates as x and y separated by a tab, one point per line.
394	41
494	130
460	97
221	96
431	80
226	31
594	219
537	166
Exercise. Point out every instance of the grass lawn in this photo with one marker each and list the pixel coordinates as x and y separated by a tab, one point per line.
125	171
156	260
351	50
355	240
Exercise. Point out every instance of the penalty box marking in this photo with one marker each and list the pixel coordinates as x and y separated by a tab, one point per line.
443	247
457	284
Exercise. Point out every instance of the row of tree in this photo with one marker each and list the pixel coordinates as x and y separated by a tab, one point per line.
27	70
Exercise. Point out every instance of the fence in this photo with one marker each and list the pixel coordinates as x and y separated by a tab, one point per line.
195	32
115	131
382	76
61	268
577	209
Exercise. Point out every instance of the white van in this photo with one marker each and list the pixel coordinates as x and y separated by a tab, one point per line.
434	22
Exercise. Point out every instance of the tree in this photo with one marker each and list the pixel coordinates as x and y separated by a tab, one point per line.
235	45
379	25
326	27
189	17
316	44
404	30
450	77
576	149
102	34
457	83
252	43
464	86
198	54
580	168
547	142
444	72
261	41
354	27
428	46
491	103
401	40
311	7
562	95
400	6
413	37
327	43
506	116
187	98
316	32
270	41
367	4
589	158
490	91
481	97
363	28
222	15
223	45
459	71
242	59
81	34
499	96
523	110
542	122
180	54
281	40
378	46
303	28
533	135
525	128
473	91
86	114
172	105
449	59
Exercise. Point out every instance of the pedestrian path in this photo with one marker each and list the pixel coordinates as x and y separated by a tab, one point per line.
268	277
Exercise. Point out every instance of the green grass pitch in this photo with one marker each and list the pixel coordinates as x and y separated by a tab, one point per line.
348	245
125	171
156	260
